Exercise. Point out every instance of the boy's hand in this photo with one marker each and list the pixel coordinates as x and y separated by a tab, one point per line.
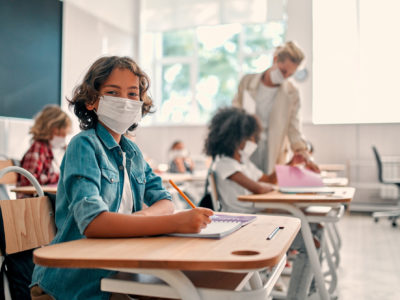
193	220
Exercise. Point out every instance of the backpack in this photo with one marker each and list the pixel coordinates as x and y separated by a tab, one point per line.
206	201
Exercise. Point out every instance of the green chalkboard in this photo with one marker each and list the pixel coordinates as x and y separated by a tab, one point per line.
30	56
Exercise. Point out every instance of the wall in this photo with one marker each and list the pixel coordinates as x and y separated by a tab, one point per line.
92	29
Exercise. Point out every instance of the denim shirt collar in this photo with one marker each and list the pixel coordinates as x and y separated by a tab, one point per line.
109	142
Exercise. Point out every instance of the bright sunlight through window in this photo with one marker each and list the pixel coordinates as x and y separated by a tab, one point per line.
195	71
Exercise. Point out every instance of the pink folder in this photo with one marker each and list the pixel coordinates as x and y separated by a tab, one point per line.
289	176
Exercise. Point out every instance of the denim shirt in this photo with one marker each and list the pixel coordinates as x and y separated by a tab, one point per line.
91	182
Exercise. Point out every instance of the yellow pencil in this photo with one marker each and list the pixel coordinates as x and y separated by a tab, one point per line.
182	194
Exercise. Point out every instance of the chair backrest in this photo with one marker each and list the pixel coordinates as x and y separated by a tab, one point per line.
28	223
214	192
378	164
9	178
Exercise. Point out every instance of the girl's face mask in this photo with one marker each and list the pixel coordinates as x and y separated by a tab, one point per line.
119	114
248	149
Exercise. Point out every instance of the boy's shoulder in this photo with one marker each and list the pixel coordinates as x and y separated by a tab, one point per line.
131	145
84	136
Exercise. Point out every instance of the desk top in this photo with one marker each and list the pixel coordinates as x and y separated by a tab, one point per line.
30	190
183	177
335	181
332	167
341	195
246	248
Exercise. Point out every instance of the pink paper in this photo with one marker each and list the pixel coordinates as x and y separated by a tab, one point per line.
289	176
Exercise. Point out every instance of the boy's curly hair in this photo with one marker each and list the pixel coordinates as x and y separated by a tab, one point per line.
88	91
227	129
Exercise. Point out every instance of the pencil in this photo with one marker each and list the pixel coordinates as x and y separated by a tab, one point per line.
182	194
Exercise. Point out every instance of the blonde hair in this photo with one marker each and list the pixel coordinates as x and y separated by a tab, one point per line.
291	51
50	118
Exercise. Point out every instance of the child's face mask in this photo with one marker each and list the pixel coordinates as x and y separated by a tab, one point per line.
58	142
180	153
248	149
119	114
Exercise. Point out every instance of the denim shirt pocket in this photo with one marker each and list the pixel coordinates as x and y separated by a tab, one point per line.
139	185
140	178
109	184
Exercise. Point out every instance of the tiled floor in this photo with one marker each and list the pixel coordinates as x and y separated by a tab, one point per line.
370	259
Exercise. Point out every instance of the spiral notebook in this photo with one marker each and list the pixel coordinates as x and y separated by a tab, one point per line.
220	226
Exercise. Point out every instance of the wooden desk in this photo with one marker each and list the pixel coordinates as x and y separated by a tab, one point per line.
244	251
332	167
341	195
294	203
30	190
182	177
335	181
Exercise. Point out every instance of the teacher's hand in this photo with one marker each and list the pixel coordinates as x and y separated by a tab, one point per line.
304	158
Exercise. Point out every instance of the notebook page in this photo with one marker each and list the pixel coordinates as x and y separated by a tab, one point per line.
213	230
243	219
217	228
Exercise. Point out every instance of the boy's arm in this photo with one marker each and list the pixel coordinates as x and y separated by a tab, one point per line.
162	207
109	224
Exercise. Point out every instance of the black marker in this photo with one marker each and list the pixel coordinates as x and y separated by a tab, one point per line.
273	233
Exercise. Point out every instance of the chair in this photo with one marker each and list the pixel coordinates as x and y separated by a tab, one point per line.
26	224
214	192
392	214
7	179
210	198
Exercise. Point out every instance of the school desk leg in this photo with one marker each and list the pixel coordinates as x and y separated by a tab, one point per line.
309	243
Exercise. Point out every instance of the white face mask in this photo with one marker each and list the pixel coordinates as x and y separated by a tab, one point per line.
179	153
248	150
276	76
58	142
119	114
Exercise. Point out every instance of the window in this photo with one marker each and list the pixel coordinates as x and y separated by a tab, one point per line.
355	65
195	71
196	51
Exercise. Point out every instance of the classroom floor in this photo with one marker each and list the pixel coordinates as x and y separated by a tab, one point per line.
370	259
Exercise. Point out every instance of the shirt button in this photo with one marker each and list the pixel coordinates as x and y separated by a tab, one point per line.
112	180
121	167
